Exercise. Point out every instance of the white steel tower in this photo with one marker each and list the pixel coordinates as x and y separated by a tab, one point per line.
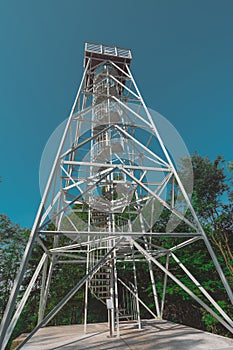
111	180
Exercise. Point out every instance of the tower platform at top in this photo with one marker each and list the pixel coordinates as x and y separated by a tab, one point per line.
99	52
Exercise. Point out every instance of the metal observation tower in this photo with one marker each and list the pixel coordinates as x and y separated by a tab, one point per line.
111	203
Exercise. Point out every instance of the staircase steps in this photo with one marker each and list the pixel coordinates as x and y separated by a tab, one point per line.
99	284
100	287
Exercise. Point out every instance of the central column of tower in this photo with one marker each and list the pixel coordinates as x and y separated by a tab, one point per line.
103	116
104	88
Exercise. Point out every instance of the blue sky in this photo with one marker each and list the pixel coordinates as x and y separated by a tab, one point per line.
182	61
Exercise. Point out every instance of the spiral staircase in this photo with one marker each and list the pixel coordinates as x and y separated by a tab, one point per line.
101	286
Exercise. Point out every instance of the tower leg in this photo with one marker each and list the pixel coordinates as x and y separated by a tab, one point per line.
164	285
15	290
86	285
136	291
152	278
44	296
85	308
42	291
116	297
45	291
112	311
22	303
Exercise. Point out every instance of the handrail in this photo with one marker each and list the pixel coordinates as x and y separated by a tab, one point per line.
108	50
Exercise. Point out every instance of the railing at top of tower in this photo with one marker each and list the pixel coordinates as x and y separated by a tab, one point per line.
108	50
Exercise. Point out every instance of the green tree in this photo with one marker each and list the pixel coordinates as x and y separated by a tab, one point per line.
12	244
212	201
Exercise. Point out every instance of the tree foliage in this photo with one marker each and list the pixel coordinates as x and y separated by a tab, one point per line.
12	245
212	200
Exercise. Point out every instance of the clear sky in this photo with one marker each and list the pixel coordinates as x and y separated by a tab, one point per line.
182	61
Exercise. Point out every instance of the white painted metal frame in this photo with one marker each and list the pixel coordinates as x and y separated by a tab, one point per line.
77	174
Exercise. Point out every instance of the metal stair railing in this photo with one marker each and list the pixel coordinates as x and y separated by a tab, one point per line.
128	312
99	283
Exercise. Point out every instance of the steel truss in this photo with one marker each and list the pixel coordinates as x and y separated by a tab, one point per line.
111	180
